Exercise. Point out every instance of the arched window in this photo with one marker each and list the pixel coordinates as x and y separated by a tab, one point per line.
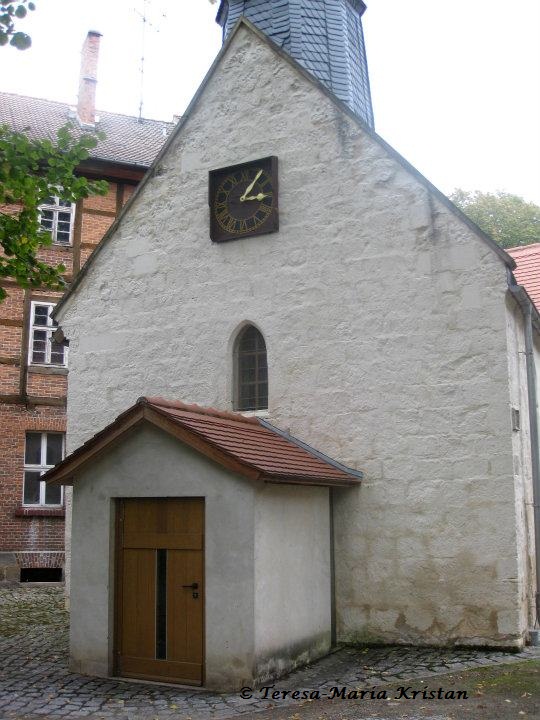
251	370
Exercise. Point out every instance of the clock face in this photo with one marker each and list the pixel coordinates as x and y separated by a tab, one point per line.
244	200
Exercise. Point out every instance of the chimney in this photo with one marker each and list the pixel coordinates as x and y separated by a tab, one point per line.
86	104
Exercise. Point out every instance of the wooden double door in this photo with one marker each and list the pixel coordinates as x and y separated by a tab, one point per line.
159	590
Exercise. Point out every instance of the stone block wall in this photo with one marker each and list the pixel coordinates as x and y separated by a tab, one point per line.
384	318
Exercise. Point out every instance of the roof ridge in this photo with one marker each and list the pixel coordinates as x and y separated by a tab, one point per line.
134	117
35	97
197	409
518	248
69	105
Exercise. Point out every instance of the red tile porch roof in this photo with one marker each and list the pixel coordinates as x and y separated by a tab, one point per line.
527	272
250	446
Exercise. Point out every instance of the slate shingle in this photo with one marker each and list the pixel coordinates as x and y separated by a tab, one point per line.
325	36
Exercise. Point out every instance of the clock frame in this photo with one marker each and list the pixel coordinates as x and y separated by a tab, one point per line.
243	200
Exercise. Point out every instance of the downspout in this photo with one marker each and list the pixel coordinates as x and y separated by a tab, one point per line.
333	636
527	309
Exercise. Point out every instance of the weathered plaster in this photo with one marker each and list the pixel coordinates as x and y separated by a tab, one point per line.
385	323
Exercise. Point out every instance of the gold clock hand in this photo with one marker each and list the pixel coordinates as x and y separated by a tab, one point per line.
250	187
258	197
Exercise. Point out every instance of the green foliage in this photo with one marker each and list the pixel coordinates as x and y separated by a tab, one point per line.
30	172
9	13
507	218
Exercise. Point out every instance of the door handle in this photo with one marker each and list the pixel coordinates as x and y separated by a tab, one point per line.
193	586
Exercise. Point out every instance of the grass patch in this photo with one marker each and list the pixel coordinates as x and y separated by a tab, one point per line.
515	679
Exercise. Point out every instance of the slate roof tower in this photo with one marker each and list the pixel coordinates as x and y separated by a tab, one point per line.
325	36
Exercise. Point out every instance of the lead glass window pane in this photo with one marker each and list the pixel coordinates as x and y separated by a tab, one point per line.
39	346
47	220
57	353
252	370
41	315
63	228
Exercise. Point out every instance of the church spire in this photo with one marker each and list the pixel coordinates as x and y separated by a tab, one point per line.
325	36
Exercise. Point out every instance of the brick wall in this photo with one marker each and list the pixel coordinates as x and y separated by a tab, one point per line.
24	533
35	560
33	399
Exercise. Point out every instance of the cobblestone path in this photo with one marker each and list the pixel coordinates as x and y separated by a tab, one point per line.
35	682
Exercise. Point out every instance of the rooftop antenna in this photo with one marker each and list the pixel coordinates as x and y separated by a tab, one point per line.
146	24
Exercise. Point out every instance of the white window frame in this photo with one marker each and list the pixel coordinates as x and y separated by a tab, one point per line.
49	330
56	209
42	468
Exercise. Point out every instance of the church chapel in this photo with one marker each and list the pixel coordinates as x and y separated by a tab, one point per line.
302	394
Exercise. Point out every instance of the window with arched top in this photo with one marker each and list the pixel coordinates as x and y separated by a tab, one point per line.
251	370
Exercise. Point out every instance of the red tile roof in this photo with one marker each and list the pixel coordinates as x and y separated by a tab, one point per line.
249	445
527	272
129	141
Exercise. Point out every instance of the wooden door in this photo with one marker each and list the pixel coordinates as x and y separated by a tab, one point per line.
160	593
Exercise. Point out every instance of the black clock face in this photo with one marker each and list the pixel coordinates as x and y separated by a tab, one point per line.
243	200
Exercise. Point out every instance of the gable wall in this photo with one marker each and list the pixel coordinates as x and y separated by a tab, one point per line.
386	332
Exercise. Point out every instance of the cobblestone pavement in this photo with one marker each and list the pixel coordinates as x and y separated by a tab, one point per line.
35	682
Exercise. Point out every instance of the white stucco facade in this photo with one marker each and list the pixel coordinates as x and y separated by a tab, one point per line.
389	347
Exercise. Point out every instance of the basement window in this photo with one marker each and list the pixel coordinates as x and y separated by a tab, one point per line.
56	216
43	349
31	575
42	451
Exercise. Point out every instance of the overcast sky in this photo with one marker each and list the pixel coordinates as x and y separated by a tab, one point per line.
455	83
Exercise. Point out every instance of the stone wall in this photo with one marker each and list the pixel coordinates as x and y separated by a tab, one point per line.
384	318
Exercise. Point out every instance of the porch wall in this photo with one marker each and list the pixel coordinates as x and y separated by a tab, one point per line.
151	464
292	578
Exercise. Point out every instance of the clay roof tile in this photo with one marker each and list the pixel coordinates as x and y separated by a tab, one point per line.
248	444
527	272
128	139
